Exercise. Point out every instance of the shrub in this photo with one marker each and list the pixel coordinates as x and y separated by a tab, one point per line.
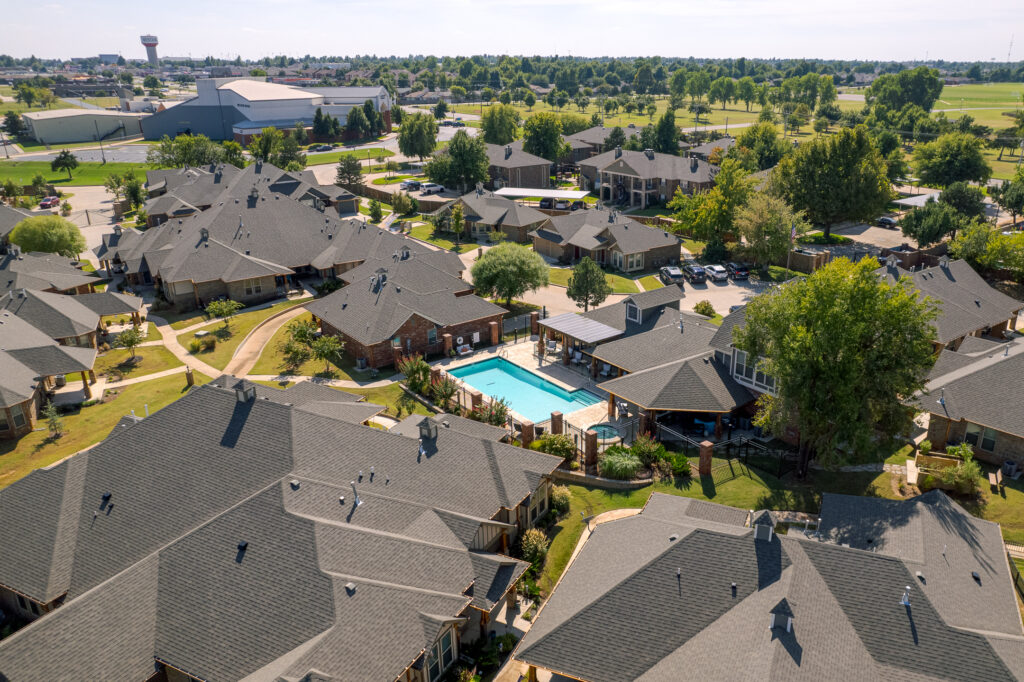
417	373
194	346
925	447
704	308
328	286
533	544
647	450
295	354
618	463
964	476
558	444
208	342
494	413
560	498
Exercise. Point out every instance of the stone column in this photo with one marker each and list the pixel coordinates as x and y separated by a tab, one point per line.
495	335
92	376
85	385
447	339
435	374
540	345
565	351
593	367
527	434
534	322
590	448
611	407
704	466
476	399
396	355
556	423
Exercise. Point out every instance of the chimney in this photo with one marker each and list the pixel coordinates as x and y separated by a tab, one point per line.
117	229
782	614
244	394
693	164
508	151
428	429
618	152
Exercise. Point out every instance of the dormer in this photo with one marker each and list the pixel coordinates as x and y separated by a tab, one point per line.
633	312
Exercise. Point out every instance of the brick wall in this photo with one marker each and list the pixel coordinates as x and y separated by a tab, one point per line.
537	176
1008	447
550	249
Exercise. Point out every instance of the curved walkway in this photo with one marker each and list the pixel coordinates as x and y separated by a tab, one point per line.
249	351
170	341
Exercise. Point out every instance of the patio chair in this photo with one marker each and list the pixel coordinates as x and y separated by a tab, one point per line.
606	370
577	358
552	346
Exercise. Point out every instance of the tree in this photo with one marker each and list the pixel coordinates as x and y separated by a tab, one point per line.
846	349
418	135
968	200
920	86
499	124
13	124
184	150
440	109
152	82
130	339
766	223
289	155
48	234
971	243
746	91
350	171
401	202
326	348
462	164
356	124
835	178
677	83
9	190
266	144
698	84
667	134
376	212
64	160
616	138
508	271
233	154
952	157
764	144
114	184
54	422
930	223
1010	196
530	100
456	220
225	309
588	285
820	125
131	188
542	136
709	215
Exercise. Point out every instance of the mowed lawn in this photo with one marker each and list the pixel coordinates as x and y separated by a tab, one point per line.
425	232
87	173
148	360
619	284
271	361
87	426
230	336
367	154
398	403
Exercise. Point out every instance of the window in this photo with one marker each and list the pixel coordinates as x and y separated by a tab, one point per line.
632	312
634	261
743	367
397	342
988	440
253	287
4	426
442	654
17	415
973	431
432	335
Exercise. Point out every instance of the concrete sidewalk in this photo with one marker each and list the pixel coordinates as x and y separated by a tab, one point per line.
248	352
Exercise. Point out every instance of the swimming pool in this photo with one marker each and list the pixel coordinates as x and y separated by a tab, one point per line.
527	394
605	431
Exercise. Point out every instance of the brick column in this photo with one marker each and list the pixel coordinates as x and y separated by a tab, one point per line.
534	322
527	434
705	458
476	399
540	345
435	374
556	422
495	336
590	448
396	355
593	367
565	352
447	339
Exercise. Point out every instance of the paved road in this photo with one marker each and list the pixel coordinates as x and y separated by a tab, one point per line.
80	103
124	153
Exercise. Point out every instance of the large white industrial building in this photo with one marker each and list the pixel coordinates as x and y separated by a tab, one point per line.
63	126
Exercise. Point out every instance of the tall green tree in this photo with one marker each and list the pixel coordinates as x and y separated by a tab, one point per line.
356	123
766	224
233	154
920	86
846	349
835	178
931	223
542	136
508	271
225	309
184	150
588	285
746	91
968	200
64	160
327	348
1010	195
265	145
418	135
440	109
350	171
462	164
48	234
616	138
129	339
759	147
667	134
953	157
500	124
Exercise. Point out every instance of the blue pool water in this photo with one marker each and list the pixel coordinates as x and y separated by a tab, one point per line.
528	394
605	431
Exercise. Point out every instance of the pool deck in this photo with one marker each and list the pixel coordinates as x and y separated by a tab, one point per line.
549	368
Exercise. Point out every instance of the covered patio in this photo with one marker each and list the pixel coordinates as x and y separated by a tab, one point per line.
575	337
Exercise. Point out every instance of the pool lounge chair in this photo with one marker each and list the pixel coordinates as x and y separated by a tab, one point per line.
552	346
464	349
577	358
606	370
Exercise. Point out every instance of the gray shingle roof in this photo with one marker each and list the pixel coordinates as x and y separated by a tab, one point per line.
111	303
37	351
722	340
603	229
56	315
659	307
723	143
156	570
981	396
9	217
509	156
623	590
654	166
660	345
700	384
488	209
370	313
965	301
596	136
41	271
410	426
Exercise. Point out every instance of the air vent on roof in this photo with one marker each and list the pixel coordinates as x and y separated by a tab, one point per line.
976	576
294	483
673	537
905	599
350	587
106	497
242	546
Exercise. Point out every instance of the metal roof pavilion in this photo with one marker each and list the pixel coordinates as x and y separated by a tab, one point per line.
519	192
917	200
581	328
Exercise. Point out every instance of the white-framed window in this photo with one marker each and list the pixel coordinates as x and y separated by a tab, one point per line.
17	415
980	436
634	261
253	287
441	655
744	368
633	312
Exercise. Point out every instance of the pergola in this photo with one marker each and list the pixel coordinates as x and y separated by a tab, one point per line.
578	333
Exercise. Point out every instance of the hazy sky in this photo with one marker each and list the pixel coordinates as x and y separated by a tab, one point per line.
847	29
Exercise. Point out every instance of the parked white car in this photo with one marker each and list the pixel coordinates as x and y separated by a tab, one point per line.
716	273
432	188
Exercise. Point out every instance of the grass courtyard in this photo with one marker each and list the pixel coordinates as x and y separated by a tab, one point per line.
87	425
271	361
87	173
443	240
618	283
148	360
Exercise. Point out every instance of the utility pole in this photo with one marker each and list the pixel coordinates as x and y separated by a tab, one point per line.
102	153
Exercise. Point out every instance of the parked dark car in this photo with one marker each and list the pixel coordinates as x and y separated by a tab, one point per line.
323	148
887	222
737	270
410	185
670	274
577	205
547	202
694	274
